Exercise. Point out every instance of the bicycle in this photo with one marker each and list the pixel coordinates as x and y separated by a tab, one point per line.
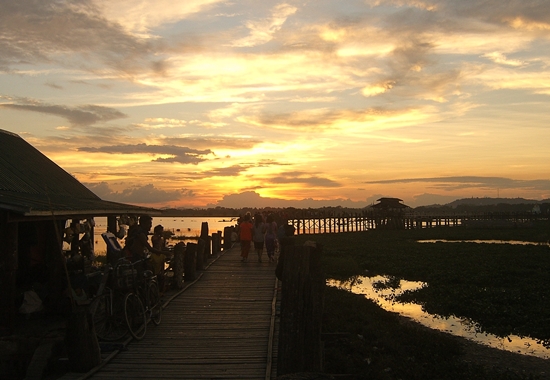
142	302
107	307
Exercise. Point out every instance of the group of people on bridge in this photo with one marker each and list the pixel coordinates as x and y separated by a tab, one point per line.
261	231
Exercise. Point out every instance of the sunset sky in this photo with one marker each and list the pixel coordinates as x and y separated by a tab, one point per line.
285	103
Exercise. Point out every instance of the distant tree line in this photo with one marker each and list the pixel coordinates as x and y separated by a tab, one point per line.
520	208
463	206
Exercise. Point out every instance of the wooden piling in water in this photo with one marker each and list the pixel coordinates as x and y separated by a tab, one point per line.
200	255
216	243
190	262
227	231
302	289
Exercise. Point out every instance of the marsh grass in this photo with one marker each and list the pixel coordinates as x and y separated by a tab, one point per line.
504	288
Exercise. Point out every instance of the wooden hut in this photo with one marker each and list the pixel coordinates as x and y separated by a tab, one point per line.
388	213
37	199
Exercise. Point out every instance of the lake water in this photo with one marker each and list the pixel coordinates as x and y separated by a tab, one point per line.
456	326
180	226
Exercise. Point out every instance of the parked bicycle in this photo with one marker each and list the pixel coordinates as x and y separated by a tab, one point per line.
107	307
143	301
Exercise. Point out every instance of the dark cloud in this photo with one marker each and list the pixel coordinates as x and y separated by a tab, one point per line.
53	85
497	12
468	182
179	154
55	31
78	116
225	172
216	142
147	194
272	162
319	120
453	16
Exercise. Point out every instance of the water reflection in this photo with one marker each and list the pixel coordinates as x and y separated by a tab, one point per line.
513	242
381	290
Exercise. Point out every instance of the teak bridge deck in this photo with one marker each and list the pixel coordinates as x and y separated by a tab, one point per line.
222	326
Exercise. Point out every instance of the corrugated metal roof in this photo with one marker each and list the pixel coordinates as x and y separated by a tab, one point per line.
32	184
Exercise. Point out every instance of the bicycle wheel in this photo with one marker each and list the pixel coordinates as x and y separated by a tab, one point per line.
136	319
108	318
154	302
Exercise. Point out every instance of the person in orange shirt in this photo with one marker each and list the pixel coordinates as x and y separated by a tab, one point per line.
245	229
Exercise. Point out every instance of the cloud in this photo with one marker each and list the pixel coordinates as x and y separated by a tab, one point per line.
468	182
163	122
501	59
78	116
49	31
183	155
146	194
262	31
225	172
213	142
139	17
304	179
254	200
321	119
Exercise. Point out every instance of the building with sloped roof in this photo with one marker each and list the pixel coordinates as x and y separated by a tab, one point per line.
37	201
389	204
388	213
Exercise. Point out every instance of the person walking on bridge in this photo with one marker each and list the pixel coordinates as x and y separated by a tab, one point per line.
259	235
271	237
245	231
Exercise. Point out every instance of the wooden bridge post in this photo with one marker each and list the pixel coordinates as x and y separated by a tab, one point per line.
302	289
208	248
178	263
204	236
227	237
200	254
216	243
81	341
190	262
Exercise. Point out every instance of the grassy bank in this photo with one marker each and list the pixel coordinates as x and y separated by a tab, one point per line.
504	288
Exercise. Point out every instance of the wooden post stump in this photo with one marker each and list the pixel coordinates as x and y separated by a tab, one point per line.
204	230
206	237
216	248
208	248
81	341
227	237
303	282
200	254
190	262
178	264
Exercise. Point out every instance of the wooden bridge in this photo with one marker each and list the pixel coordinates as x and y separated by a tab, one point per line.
322	224
223	325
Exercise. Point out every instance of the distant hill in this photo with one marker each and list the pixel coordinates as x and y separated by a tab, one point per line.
493	201
488	205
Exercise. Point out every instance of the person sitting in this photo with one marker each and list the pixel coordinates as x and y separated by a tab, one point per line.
158	259
137	245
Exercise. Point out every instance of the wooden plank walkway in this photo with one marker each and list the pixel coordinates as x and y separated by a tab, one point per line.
223	326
